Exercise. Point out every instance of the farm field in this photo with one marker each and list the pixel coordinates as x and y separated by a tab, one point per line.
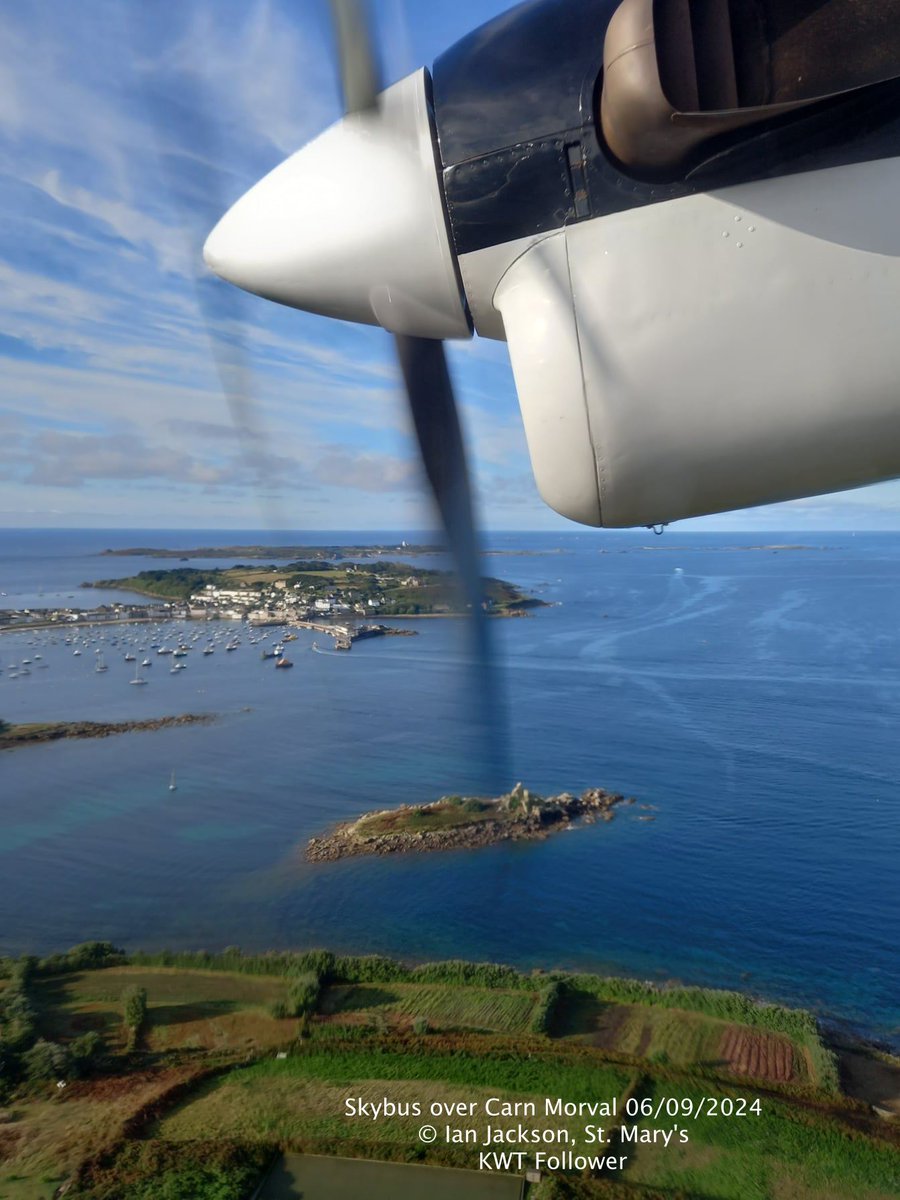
490	1009
241	1064
187	1009
685	1038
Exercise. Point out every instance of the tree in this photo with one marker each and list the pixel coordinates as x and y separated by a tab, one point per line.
85	1052
134	1011
46	1060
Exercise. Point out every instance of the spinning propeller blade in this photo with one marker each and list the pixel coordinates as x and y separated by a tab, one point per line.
432	403
357	59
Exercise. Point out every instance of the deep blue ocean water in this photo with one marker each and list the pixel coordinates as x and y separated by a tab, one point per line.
751	694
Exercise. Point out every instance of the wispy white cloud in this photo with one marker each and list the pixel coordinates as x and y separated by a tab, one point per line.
126	128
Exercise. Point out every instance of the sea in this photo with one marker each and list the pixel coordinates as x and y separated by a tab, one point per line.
744	688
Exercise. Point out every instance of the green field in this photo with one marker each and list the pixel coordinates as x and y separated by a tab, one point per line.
214	1089
187	1009
784	1154
490	1009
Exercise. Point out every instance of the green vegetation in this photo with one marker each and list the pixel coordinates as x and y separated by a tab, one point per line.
395	589
454	821
545	1011
443	1007
793	1023
200	1104
36	732
134	1012
208	1170
809	1153
427	817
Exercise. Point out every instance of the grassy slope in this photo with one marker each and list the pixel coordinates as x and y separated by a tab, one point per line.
428	817
799	1150
300	1100
489	1009
783	1154
190	1009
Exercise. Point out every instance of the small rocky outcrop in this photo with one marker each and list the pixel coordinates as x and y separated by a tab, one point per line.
463	823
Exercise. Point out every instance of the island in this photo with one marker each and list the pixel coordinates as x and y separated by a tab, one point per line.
36	732
308	588
462	822
318	553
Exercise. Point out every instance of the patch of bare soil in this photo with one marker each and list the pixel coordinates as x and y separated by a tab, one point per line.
758	1054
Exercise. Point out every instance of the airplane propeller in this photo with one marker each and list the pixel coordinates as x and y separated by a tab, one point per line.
423	361
292	239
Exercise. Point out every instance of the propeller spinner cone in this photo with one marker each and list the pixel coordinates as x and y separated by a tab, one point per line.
352	226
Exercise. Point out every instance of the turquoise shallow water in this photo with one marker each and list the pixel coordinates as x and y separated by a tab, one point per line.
752	695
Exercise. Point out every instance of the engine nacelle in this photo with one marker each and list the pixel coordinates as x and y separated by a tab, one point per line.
713	352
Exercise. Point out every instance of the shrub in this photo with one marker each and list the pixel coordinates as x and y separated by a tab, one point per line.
18	1016
466	974
86	1052
303	994
46	1060
87	956
369	968
548	999
134	1012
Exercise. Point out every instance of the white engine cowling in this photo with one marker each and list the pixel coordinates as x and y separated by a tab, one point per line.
714	352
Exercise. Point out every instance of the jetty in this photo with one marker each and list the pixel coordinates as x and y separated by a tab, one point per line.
344	635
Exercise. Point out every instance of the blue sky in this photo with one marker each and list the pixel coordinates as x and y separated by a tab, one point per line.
126	128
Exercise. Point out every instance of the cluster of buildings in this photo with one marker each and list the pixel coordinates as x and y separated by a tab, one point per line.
277	604
24	618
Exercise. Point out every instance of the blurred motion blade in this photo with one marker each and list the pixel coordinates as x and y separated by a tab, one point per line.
358	64
423	362
199	205
220	305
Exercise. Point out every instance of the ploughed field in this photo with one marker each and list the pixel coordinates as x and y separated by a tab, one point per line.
240	1060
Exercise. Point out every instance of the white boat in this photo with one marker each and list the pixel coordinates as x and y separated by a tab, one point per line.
101	665
172	784
146	663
